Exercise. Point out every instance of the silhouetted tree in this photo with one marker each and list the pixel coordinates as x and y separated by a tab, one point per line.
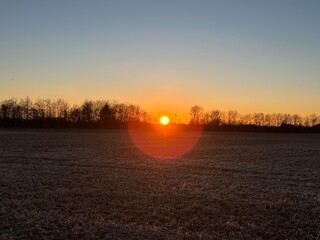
313	118
39	109
62	108
278	119
121	112
258	119
96	109
48	108
87	111
287	119
5	110
232	117
107	116
26	105
206	119
267	120
215	116
134	113
75	114
145	117
196	113
297	120
246	119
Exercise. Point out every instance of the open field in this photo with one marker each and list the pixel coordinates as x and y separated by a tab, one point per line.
98	185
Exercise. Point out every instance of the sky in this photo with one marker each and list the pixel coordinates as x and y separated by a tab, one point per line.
166	56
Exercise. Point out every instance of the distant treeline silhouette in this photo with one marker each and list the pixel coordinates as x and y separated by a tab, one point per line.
47	113
231	120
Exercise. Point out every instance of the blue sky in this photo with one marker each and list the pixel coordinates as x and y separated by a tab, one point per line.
164	55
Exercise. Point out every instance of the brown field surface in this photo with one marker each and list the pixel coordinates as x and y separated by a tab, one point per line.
98	185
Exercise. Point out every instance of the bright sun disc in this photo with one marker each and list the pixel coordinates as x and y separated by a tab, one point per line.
164	120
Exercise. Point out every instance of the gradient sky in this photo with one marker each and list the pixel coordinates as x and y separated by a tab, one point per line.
253	56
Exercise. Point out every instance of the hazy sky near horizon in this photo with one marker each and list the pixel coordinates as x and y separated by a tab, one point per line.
253	56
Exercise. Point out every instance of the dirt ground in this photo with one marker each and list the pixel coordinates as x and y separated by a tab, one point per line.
98	185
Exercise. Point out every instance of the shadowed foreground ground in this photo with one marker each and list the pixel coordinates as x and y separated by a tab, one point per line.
97	185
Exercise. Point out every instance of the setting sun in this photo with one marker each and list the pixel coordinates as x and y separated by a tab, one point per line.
164	120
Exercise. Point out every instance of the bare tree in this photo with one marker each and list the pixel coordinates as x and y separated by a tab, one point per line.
121	112
215	117
49	108
297	120
134	113
96	109
313	119
18	112
87	111
146	117
306	121
279	119
75	114
206	119
26	105
38	110
287	119
232	117
62	109
196	113
246	119
7	108
267	120
258	119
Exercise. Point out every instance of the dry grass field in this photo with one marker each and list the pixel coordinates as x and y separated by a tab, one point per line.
98	185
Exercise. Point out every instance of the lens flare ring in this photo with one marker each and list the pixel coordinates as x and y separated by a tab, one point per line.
164	141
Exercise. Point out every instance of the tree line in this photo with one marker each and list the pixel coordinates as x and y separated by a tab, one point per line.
57	113
232	120
47	113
